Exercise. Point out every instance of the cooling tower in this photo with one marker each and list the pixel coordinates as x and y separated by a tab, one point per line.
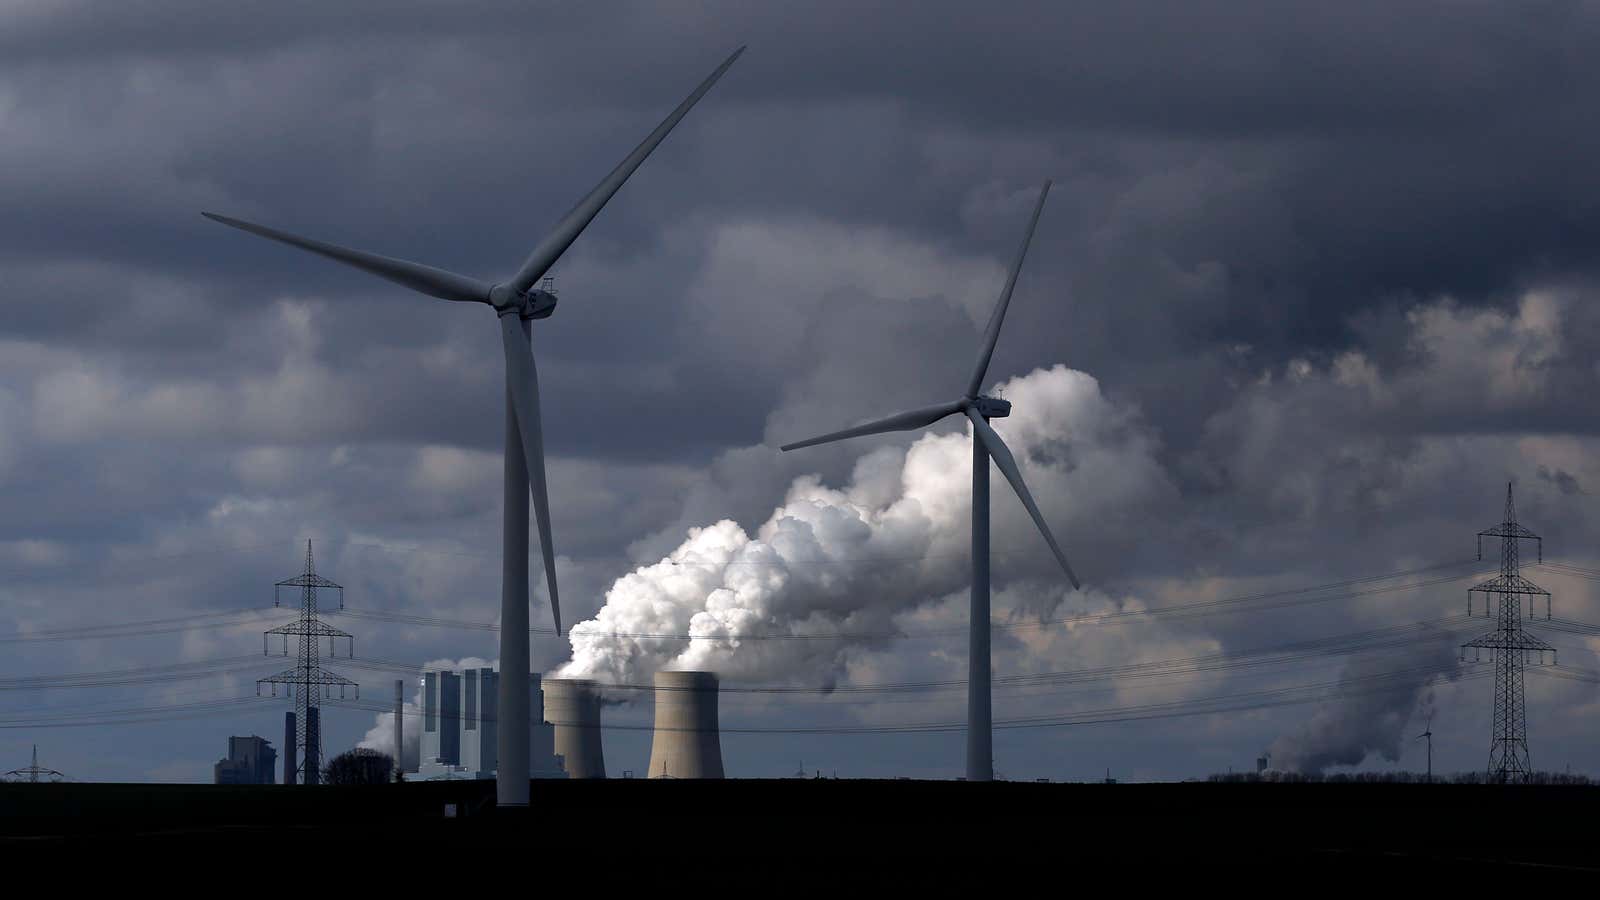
686	744
572	706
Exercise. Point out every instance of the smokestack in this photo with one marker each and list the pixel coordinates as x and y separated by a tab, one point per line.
399	732
313	774
686	744
572	706
291	749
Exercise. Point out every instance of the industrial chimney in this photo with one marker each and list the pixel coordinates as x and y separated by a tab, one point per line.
686	744
312	773
291	746
572	706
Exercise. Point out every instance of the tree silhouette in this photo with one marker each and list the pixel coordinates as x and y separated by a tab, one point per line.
359	766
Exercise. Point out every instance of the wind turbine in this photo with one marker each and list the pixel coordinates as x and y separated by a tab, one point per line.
517	302
986	445
1428	733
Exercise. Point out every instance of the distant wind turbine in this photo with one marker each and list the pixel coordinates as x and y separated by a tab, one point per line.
517	302
1428	733
986	445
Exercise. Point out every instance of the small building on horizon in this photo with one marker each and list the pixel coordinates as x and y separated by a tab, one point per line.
251	760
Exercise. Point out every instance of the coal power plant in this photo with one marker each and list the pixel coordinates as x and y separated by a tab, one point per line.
686	742
572	707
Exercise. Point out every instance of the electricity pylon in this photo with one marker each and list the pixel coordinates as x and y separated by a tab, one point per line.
1509	647
308	682
33	772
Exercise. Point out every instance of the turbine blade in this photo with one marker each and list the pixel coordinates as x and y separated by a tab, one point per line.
991	334
906	421
523	377
1001	454
423	279
575	221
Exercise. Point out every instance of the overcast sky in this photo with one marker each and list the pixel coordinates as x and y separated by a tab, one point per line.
1315	281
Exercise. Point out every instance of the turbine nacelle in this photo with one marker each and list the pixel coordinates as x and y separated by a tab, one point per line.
532	304
988	407
540	304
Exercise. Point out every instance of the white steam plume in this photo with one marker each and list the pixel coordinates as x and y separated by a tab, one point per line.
849	560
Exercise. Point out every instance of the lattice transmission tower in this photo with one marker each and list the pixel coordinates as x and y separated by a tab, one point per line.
33	773
1509	646
308	682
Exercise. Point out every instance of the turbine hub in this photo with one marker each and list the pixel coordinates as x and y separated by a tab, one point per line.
991	407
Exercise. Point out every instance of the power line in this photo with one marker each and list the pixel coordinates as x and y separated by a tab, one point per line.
1386	637
131	715
1291	652
1286	598
1389	637
1402	679
1372	639
1570	673
1259	699
142	627
694	563
135	675
237	617
1580	571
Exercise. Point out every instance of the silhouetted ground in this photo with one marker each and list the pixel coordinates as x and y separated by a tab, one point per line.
1146	831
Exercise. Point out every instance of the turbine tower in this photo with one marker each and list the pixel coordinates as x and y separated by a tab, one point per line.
516	302
986	445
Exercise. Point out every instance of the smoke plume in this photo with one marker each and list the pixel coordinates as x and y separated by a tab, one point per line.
848	560
1349	730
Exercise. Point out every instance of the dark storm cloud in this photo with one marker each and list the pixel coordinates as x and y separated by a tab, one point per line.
1332	263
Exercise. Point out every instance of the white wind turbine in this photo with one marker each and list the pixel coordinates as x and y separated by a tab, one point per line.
1428	733
517	302
986	445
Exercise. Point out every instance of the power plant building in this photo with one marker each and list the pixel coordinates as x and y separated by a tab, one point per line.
460	727
251	760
